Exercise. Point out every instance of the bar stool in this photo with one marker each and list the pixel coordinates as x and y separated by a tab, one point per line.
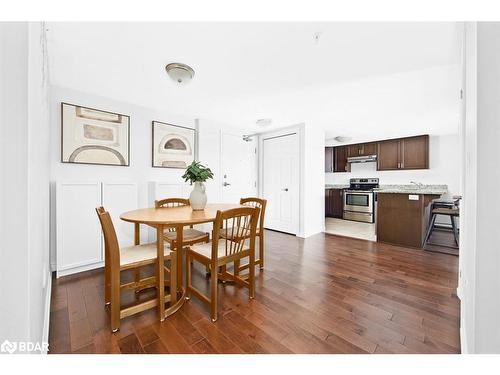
446	208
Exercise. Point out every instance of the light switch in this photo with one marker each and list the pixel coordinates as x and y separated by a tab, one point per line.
413	197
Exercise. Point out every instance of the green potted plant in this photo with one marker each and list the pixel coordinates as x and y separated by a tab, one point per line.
197	173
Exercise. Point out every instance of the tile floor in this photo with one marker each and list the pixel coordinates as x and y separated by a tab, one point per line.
348	228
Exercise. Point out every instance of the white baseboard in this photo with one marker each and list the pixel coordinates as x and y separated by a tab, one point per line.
46	320
463	338
85	267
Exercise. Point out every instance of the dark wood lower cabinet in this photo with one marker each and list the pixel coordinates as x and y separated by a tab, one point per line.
402	219
334	203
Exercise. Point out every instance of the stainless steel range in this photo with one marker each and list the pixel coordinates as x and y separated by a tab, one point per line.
359	200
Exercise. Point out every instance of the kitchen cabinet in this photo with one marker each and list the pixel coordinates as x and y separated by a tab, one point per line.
388	155
415	152
329	159
402	219
362	149
340	160
334	202
404	153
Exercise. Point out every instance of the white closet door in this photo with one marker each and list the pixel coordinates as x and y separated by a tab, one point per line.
118	198
78	230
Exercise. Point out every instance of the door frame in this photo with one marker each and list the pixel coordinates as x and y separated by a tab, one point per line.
294	129
236	133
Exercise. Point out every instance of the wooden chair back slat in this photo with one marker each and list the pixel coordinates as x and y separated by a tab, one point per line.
242	222
260	204
172	202
111	246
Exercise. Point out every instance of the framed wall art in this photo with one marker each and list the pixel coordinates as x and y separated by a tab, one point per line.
173	146
93	136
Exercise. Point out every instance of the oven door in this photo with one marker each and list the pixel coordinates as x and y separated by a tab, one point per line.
358	201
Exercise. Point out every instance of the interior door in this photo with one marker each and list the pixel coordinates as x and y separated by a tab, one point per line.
280	182
238	167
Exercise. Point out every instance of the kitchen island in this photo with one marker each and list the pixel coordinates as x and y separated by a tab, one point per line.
402	215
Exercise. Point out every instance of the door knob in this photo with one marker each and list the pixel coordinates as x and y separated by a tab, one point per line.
285	189
226	184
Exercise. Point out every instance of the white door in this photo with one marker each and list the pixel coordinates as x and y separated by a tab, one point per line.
280	182
238	167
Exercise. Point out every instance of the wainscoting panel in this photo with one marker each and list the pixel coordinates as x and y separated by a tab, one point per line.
78	233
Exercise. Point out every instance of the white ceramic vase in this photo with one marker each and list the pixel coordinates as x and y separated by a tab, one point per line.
198	197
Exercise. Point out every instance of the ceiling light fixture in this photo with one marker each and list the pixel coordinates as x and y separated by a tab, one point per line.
342	139
180	73
264	122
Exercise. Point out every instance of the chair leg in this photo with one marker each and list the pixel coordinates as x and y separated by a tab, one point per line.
454	227
429	230
261	249
107	283
251	277
173	275
213	293
237	265
189	264
115	302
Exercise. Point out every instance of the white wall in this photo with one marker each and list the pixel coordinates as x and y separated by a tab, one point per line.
314	180
444	167
487	262
24	151
468	209
140	170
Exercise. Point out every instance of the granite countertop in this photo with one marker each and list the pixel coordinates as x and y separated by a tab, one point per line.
413	189
336	186
401	189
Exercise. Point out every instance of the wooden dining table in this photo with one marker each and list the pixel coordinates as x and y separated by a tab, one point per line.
177	218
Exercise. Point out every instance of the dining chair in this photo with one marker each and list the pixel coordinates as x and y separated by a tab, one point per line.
221	251
226	232
190	235
118	259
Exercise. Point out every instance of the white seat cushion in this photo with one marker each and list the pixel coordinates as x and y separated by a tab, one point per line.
188	234
205	249
140	253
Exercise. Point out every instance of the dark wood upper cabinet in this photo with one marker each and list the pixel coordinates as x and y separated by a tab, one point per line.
329	157
388	155
340	159
415	152
353	150
404	153
369	149
392	154
362	149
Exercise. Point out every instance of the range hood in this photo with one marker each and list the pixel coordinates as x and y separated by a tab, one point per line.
362	159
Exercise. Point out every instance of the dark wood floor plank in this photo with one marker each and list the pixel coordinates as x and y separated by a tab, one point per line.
130	345
324	294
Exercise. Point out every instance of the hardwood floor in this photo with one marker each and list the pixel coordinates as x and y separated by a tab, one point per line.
325	294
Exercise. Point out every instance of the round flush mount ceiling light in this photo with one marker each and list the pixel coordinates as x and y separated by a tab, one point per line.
180	73
264	122
342	139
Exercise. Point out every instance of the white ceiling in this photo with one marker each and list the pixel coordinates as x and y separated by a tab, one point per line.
360	79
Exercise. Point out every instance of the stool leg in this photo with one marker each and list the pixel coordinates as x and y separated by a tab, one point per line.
429	230
454	227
